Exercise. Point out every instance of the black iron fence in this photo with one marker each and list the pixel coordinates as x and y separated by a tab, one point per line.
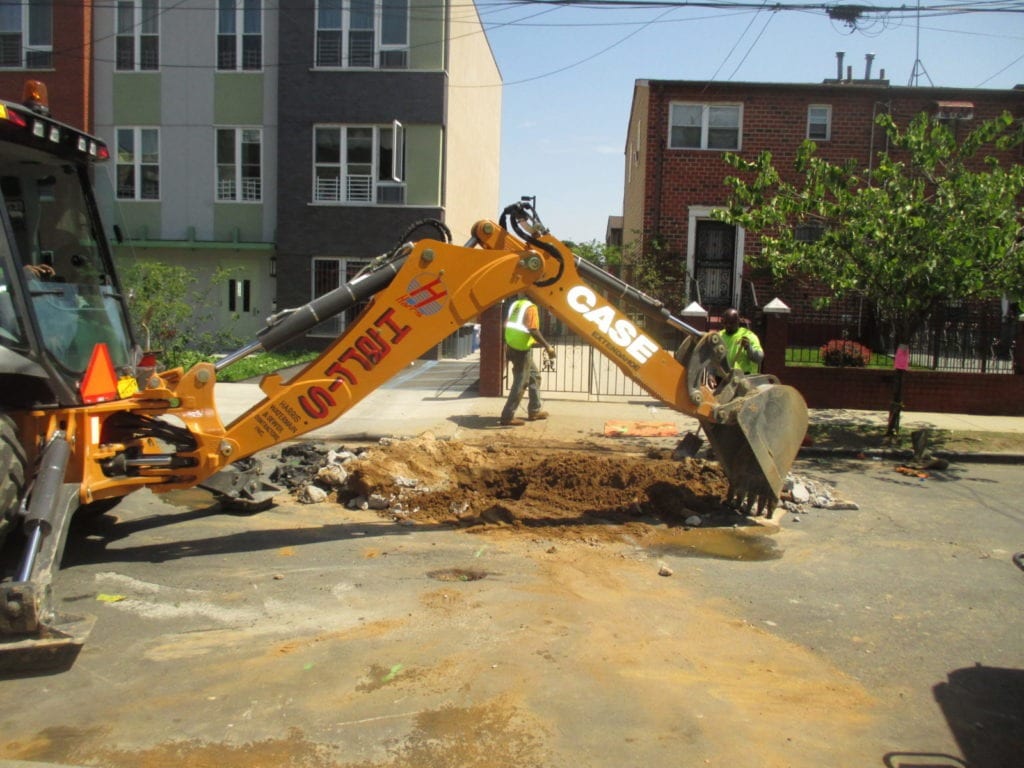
959	337
964	338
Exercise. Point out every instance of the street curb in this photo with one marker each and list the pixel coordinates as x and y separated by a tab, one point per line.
892	455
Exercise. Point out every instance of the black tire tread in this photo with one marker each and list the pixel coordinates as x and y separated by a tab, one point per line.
13	463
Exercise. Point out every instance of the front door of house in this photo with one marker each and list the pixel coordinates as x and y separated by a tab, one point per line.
714	264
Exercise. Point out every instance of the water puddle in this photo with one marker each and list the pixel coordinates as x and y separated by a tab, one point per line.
190	498
749	544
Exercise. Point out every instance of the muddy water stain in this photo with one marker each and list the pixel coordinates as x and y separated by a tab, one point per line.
457	574
190	498
718	543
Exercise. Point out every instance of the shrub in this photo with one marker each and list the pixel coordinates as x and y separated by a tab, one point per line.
169	306
842	352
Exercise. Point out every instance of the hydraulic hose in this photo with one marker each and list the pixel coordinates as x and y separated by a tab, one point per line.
647	304
300	320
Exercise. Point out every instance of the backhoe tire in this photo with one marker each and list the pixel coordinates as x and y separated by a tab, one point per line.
12	474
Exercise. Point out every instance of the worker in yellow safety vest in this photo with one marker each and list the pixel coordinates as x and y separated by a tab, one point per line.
522	332
742	347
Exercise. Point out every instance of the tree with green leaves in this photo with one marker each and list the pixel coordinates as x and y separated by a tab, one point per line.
607	257
168	311
930	220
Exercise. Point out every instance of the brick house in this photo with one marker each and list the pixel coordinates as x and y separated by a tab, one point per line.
679	130
39	43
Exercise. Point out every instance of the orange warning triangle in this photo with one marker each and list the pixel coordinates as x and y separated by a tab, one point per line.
100	382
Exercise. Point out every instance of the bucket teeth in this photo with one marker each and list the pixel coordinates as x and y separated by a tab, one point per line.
755	440
756	503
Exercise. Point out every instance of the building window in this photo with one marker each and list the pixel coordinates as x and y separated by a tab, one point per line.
239	295
952	111
239	164
239	35
331	273
704	126
359	164
819	122
26	34
362	33
138	35
138	163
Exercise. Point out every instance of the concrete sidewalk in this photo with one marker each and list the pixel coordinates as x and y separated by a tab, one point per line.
440	397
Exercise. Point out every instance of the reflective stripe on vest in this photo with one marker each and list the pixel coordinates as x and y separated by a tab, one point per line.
517	335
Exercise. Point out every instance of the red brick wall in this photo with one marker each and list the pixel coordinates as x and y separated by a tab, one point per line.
492	352
69	82
871	389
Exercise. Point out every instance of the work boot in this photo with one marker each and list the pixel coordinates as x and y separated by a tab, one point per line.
537	415
512	422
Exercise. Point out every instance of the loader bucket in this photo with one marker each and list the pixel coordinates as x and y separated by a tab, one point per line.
757	443
53	649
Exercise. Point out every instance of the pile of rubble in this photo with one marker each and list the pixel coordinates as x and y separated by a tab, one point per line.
311	471
800	493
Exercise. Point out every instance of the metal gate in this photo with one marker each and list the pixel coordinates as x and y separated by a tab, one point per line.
579	368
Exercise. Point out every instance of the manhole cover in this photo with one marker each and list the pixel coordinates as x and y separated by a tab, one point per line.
457	574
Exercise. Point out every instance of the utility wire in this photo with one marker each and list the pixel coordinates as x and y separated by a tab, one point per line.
997	74
592	56
753	44
736	44
983	6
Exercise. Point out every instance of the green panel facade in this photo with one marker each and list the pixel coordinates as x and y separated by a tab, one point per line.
423	157
426	35
141	220
241	220
137	98
238	98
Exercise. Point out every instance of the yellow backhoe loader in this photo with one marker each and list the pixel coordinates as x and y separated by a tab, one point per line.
86	418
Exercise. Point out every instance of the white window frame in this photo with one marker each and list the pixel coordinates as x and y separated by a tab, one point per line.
826	110
347	189
239	33
238	188
344	31
143	24
138	163
708	111
24	33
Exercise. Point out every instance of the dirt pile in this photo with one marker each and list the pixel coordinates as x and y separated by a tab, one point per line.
423	480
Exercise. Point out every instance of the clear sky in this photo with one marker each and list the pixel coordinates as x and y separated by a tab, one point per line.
569	72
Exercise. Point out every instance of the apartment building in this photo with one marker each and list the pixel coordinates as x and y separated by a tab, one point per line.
39	43
679	131
287	142
390	114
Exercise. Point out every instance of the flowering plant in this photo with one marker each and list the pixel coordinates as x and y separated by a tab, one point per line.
842	352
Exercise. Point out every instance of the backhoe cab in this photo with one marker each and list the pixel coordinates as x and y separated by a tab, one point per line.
82	424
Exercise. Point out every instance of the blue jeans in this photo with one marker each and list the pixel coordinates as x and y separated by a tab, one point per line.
525	378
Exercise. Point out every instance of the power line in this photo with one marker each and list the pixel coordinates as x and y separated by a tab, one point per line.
753	44
541	8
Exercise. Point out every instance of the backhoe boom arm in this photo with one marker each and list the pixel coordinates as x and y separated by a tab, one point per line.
169	435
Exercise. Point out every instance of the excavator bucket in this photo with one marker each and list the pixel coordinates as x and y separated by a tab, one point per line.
757	443
54	648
